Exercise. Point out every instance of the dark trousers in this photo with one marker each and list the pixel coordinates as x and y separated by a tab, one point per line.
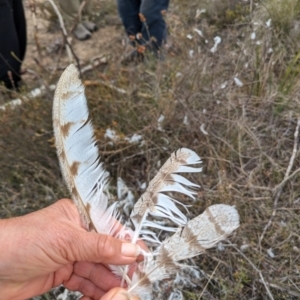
144	17
12	40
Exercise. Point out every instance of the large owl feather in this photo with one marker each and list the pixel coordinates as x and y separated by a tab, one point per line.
78	154
86	178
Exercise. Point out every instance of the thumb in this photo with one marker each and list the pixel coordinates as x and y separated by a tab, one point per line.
118	294
101	248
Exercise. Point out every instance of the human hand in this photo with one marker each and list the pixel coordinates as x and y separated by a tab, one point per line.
50	247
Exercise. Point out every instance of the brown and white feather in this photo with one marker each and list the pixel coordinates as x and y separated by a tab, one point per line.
85	178
78	153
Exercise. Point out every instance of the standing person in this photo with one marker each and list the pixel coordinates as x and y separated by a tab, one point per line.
144	24
72	15
12	41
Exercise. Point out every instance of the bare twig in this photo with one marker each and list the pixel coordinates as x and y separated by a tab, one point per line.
278	189
64	31
11	79
208	281
79	14
283	182
258	271
36	38
81	8
282	289
292	159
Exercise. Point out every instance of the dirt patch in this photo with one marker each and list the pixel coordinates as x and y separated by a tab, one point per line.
46	47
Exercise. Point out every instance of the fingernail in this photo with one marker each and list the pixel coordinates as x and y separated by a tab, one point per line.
129	249
121	296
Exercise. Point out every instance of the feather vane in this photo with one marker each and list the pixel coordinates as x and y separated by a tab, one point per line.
216	223
78	154
155	202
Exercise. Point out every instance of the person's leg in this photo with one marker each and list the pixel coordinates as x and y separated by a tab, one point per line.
88	8
87	13
154	26
20	24
129	13
69	9
9	43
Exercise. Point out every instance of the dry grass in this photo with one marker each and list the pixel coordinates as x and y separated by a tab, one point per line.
282	13
250	154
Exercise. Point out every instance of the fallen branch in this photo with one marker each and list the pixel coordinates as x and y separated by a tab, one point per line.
42	89
31	95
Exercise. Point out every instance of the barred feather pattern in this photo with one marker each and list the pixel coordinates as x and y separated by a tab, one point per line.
85	178
156	203
215	224
78	154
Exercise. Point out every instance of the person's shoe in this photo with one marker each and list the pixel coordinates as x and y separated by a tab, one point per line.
90	26
81	33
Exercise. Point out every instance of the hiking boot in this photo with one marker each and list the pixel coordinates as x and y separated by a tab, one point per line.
81	33
90	26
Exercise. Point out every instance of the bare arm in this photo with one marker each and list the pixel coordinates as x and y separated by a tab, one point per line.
50	247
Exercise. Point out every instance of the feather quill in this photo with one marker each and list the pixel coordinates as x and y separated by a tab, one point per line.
78	154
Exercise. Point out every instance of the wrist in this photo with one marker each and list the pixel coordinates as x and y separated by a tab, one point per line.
8	245
5	236
11	232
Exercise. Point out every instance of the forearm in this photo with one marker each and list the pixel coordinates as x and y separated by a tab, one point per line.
9	246
7	235
23	259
